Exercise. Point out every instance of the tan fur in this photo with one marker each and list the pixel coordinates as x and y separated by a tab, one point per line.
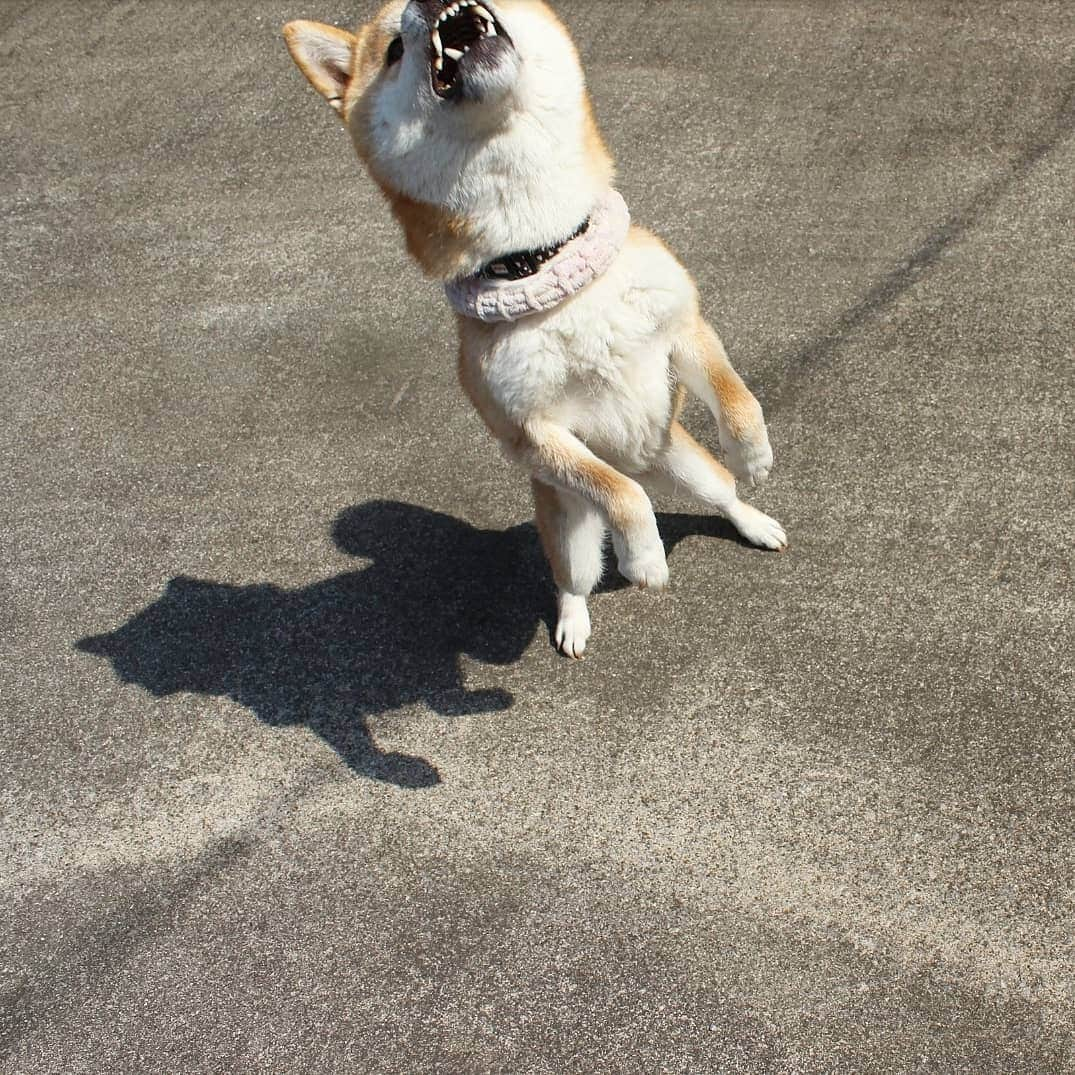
738	407
441	244
560	456
371	44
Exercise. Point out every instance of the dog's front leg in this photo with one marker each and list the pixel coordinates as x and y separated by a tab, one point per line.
558	458
701	362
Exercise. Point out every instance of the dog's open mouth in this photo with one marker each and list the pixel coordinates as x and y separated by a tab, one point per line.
463	33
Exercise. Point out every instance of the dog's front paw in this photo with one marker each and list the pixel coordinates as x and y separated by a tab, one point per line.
644	564
749	460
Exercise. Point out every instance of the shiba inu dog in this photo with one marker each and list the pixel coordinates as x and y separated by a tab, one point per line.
579	332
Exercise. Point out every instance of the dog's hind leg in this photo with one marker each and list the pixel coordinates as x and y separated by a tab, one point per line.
702	364
684	466
573	536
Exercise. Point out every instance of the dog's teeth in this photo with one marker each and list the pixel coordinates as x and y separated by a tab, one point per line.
439	63
453	54
438	48
479	10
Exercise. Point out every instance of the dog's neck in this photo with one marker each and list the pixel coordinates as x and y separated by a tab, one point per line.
533	282
541	207
464	204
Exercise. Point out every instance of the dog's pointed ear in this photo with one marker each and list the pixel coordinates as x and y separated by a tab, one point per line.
325	56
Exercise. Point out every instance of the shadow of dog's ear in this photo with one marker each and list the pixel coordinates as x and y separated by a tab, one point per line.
325	55
388	529
98	645
179	593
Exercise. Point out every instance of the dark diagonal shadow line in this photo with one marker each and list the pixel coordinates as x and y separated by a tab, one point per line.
149	912
888	289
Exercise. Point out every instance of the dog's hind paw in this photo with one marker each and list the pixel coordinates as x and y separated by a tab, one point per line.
573	626
757	527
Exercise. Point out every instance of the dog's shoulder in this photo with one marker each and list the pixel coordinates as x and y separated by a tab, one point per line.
652	264
647	284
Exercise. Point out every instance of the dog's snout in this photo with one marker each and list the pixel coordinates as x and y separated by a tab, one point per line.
430	9
423	14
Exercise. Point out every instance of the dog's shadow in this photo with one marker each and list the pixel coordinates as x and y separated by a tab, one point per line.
364	642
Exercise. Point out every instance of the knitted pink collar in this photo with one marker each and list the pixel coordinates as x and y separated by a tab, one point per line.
577	263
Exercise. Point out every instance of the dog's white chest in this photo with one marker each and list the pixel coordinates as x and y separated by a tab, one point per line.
599	364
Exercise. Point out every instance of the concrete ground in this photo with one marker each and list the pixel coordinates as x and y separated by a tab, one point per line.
291	779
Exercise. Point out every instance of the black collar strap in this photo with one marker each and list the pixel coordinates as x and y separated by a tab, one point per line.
524	263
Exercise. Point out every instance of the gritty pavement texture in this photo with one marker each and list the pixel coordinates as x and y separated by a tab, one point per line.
290	777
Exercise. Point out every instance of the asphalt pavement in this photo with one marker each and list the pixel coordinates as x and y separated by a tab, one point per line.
291	779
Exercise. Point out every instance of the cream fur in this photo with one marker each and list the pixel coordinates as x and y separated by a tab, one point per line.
585	395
